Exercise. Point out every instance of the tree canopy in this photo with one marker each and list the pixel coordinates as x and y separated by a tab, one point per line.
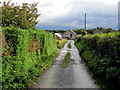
24	16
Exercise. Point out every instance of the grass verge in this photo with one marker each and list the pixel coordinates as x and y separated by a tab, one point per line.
69	45
61	43
66	61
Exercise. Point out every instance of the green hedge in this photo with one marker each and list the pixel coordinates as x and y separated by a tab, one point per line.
102	55
108	44
26	54
61	43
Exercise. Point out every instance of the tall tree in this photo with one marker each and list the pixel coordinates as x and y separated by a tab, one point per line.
24	16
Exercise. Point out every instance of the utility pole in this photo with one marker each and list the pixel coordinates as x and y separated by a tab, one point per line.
119	16
85	22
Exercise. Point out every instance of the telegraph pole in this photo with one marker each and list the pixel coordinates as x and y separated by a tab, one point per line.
85	22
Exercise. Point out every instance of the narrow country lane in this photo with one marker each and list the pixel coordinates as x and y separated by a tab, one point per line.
76	75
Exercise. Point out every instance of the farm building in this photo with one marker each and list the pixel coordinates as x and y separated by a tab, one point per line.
59	36
95	31
69	34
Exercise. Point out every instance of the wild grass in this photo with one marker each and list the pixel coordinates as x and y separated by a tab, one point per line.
61	43
66	61
69	45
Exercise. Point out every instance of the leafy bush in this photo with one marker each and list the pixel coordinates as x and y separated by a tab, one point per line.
108	44
26	54
61	43
24	16
101	53
80	47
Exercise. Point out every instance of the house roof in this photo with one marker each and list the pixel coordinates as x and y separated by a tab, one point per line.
58	34
72	32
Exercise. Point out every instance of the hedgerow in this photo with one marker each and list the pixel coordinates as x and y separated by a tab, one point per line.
26	54
61	43
101	53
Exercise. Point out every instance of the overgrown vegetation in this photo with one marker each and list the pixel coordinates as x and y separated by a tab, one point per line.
26	54
91	31
24	16
104	30
80	31
66	61
69	45
101	53
61	43
0	59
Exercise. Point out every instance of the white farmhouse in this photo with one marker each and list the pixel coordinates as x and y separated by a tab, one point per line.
69	34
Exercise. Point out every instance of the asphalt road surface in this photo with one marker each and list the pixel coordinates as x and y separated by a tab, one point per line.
76	75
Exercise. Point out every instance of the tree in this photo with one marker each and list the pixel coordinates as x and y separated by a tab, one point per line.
24	16
97	27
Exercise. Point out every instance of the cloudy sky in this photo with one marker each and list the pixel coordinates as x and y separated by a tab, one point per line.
69	14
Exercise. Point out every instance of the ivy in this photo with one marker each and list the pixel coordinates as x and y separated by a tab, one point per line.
30	52
101	53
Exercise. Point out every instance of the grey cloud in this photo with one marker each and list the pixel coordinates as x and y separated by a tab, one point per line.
98	14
